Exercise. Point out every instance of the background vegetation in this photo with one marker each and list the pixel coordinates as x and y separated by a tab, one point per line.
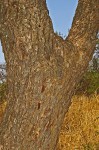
89	84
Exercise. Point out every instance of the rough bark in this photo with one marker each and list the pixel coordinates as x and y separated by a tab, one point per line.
42	70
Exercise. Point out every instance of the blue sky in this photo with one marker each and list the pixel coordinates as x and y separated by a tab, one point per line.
61	13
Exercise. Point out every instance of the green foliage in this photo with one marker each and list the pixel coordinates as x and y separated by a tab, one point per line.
2	92
89	83
87	147
90	146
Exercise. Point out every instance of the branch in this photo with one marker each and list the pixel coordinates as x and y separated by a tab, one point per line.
85	24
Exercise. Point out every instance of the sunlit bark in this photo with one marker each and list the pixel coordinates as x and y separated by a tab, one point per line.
42	70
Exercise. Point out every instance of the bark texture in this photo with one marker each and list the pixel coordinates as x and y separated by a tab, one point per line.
42	70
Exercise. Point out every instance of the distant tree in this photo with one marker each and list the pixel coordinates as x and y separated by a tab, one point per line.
2	73
2	83
95	63
95	59
42	70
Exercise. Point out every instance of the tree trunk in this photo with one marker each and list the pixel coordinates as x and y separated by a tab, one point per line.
42	70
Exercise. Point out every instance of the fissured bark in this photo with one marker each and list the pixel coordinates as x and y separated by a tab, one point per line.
42	70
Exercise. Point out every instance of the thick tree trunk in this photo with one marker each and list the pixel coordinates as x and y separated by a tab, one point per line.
42	70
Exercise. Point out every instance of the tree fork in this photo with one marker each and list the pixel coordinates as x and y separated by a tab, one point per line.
42	70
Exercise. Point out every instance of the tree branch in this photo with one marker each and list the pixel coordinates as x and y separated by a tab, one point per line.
85	24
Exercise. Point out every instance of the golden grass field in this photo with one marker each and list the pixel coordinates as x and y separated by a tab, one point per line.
80	130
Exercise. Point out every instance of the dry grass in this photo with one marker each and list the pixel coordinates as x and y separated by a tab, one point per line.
80	130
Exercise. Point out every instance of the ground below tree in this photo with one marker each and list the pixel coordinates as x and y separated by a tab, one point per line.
80	130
